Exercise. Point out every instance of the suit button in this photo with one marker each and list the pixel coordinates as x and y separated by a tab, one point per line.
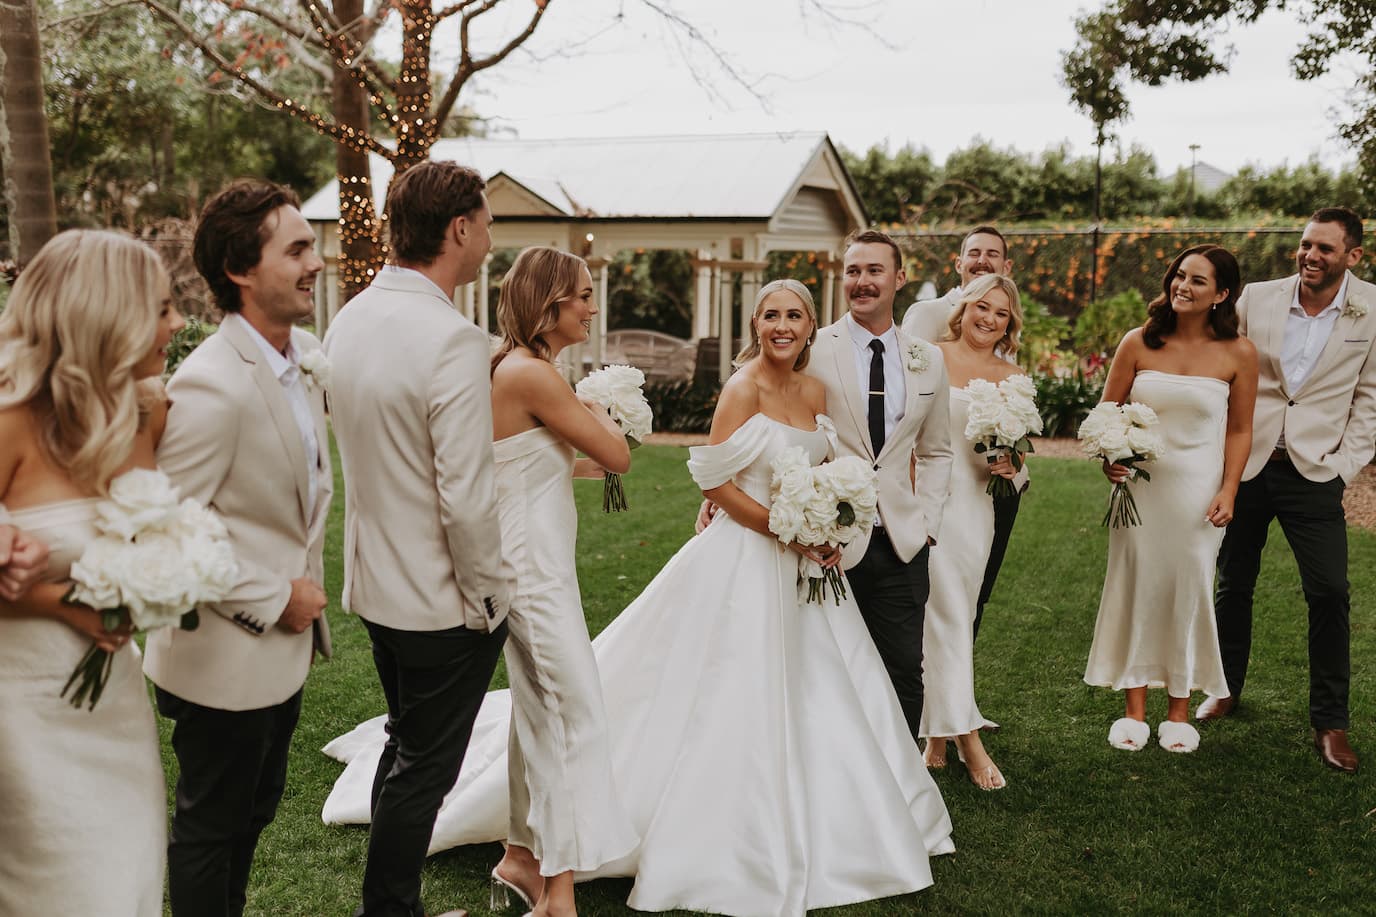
1290	403
876	467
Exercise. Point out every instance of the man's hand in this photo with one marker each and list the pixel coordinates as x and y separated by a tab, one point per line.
23	560
706	513
307	603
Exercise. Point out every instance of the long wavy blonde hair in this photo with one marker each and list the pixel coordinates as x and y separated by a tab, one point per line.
82	316
528	307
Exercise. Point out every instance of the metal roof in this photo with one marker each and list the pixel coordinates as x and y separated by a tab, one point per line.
728	176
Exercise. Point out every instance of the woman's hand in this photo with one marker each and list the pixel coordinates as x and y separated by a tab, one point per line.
90	623
1115	472
1220	510
1003	467
23	561
824	555
587	468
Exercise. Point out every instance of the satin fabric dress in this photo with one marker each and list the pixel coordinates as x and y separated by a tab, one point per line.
83	806
956	570
757	744
1156	625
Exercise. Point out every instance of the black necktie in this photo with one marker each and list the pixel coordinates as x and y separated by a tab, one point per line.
877	395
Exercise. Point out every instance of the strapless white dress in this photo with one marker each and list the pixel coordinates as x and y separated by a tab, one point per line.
83	806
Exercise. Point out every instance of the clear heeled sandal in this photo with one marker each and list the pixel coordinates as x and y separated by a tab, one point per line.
501	890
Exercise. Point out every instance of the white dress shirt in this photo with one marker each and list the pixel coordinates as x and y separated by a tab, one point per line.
895	385
287	368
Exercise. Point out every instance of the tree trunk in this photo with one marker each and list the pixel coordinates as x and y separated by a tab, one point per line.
360	242
28	173
416	128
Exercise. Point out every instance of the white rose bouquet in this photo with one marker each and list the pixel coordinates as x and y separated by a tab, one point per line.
1122	434
619	389
1000	421
153	560
829	504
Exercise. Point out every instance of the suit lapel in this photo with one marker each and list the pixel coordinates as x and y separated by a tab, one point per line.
279	410
910	384
842	352
1274	315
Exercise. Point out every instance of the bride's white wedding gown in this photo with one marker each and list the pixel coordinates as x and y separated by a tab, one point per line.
756	742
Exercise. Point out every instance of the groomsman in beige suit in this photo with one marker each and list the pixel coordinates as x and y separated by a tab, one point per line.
983	251
23	560
1313	431
888	396
246	437
423	565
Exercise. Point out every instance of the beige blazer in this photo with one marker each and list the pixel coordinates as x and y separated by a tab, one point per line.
927	318
411	403
1330	423
910	513
232	443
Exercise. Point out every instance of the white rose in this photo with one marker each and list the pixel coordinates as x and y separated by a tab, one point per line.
785	520
101	572
213	568
1010	429
139	500
158	587
1113	445
850	478
1139	414
1142	442
1019	385
315	366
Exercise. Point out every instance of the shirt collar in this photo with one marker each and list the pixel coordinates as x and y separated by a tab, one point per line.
1339	299
398	269
280	364
861	335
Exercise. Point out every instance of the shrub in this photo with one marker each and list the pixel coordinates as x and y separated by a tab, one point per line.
187	340
1065	400
1101	325
1042	336
683	407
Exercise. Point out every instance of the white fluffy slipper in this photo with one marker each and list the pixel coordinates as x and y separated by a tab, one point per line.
1177	737
1129	734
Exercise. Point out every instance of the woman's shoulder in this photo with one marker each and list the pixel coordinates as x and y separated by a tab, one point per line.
520	368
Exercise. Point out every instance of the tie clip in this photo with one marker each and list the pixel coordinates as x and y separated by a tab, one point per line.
880	392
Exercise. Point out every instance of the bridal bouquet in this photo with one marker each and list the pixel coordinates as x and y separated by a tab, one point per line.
1124	434
153	560
1000	420
619	389
827	504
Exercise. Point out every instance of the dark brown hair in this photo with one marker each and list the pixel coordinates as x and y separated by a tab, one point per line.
422	202
985	231
866	236
1222	317
1350	221
231	232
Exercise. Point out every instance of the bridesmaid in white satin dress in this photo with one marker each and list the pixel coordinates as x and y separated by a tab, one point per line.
565	815
757	742
1156	624
982	332
83	807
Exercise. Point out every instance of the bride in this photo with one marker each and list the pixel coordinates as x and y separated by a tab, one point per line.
757	744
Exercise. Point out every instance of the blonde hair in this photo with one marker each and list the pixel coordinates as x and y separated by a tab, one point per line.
751	350
977	290
528	307
82	316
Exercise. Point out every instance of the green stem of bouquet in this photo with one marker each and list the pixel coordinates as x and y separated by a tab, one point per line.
613	494
93	672
1122	508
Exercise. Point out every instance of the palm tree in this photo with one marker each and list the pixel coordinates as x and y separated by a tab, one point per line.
24	152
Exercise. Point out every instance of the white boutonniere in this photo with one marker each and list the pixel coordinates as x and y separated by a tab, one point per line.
1355	308
919	357
315	367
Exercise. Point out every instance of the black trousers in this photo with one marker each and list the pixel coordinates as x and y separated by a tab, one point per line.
434	682
892	597
1311	517
233	769
1005	514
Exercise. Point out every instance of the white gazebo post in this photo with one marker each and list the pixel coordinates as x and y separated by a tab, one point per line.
481	306
702	294
599	328
826	305
723	304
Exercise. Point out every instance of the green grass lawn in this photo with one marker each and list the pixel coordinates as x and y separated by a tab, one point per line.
1251	822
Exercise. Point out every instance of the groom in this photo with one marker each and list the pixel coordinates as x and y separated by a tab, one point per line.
888	396
423	563
1312	433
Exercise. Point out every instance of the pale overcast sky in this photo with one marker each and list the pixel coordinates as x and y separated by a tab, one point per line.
945	73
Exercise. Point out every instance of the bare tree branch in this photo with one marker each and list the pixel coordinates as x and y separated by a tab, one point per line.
696	37
468	65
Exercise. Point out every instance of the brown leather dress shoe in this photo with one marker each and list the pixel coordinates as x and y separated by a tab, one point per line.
1215	708
1334	750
